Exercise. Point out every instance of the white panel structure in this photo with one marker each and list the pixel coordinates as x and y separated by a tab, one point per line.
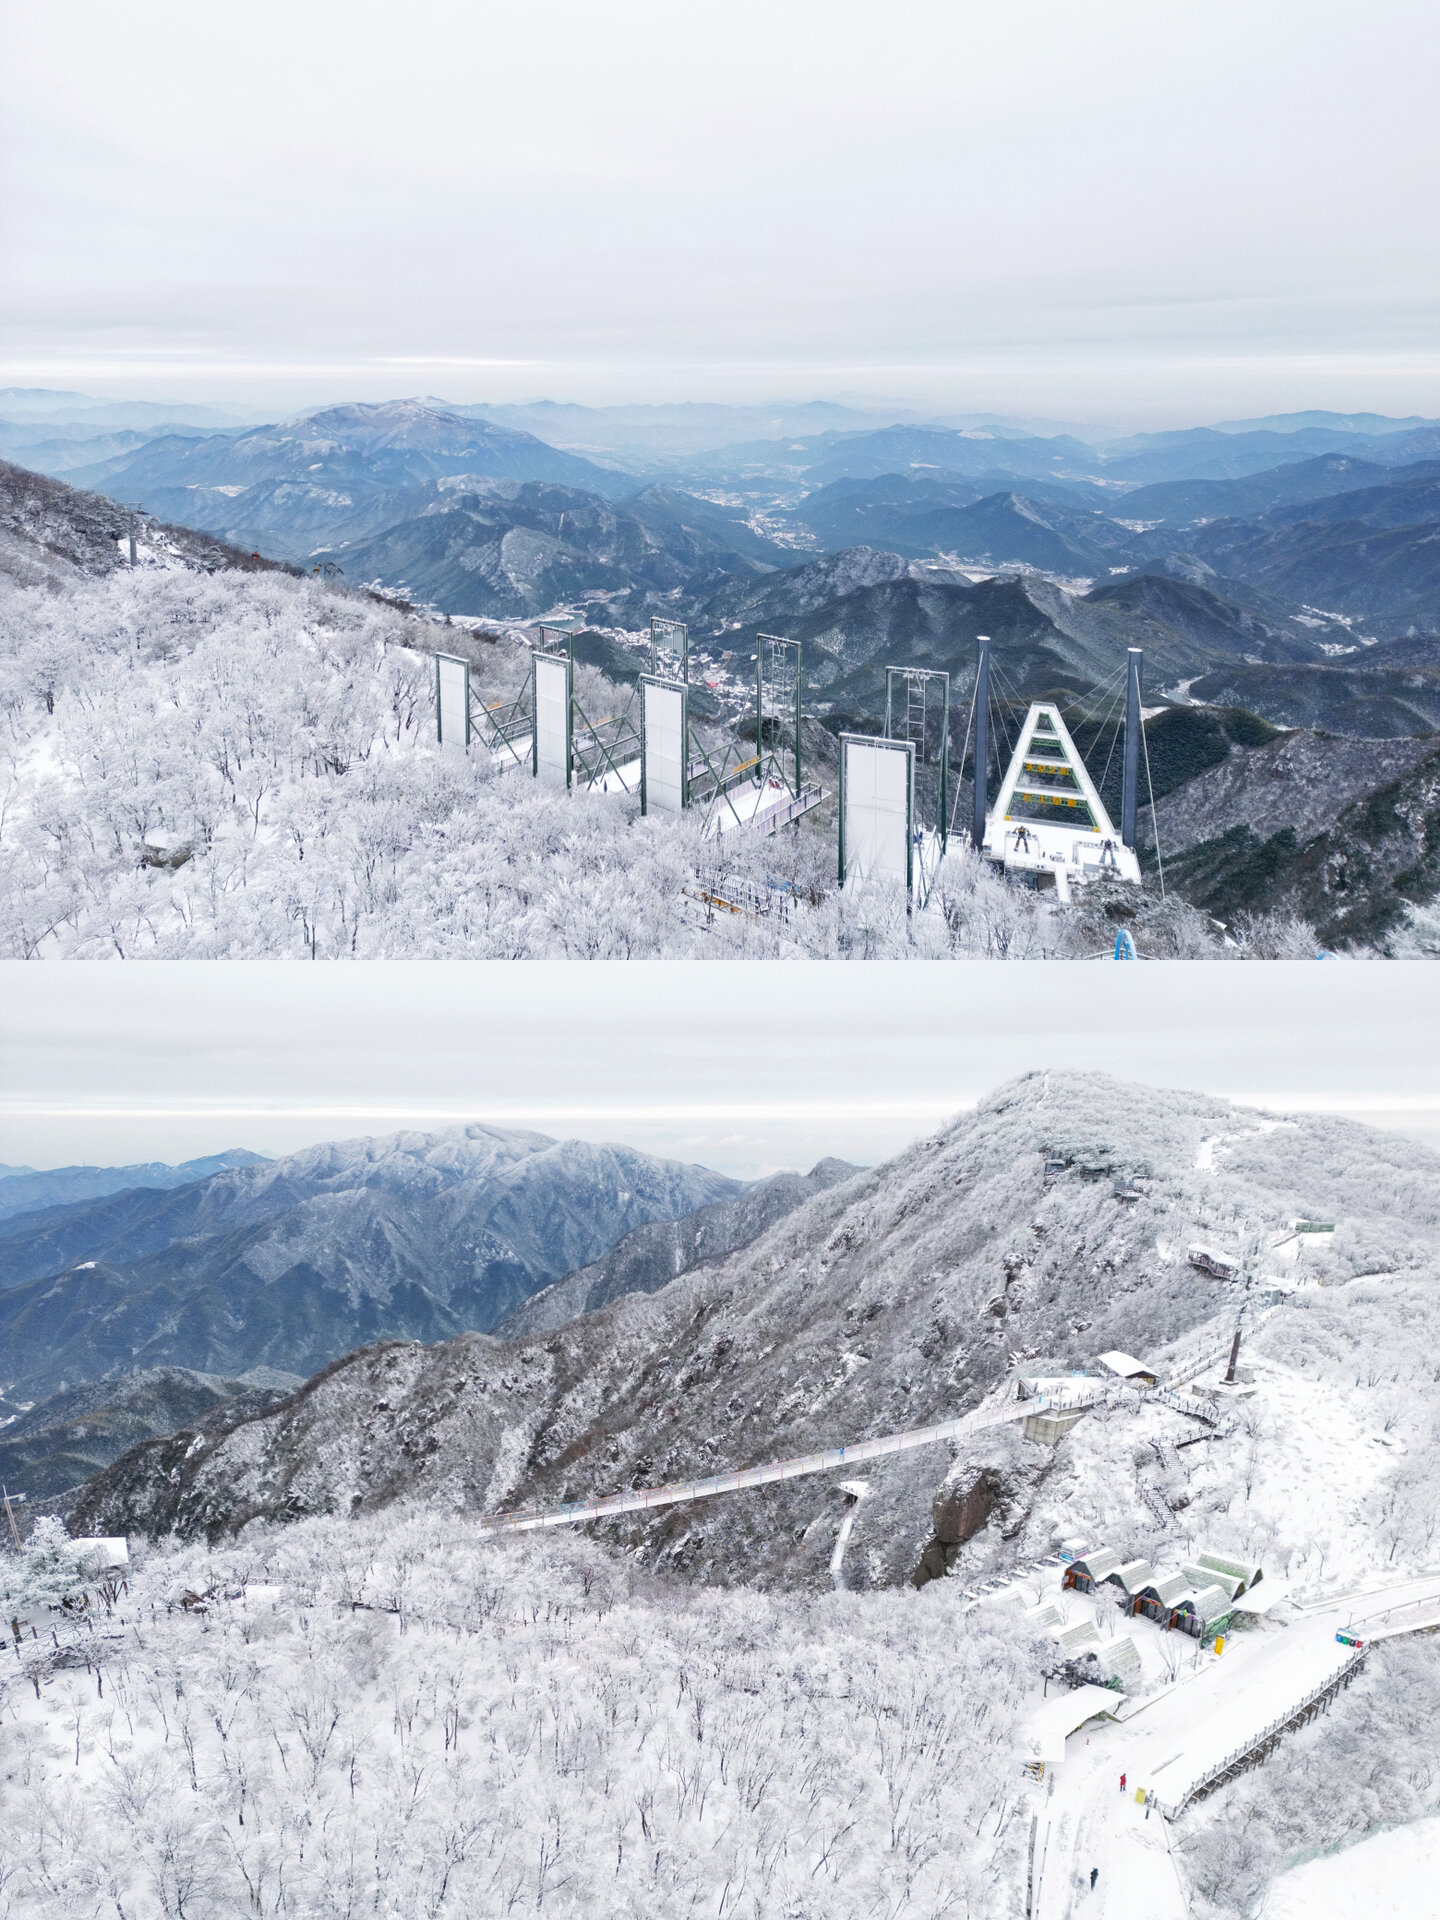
552	718
452	700
663	781
877	807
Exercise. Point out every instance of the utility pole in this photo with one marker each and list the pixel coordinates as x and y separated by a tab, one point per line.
1132	747
982	740
1234	1356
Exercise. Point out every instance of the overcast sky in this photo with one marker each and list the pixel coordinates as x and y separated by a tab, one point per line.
1129	210
743	1067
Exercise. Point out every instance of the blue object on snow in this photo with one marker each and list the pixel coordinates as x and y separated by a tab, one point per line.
1125	946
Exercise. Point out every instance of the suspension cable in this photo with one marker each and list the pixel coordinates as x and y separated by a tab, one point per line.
1154	823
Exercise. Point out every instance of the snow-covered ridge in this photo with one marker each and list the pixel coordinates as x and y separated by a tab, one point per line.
245	765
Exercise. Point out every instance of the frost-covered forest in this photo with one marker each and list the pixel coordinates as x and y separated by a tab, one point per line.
236	765
387	1717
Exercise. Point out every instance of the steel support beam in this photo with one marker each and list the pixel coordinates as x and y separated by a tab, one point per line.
982	740
1132	746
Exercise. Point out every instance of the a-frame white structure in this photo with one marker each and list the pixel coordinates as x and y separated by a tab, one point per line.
1049	819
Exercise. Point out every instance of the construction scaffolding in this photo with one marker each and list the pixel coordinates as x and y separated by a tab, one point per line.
569	748
917	713
781	793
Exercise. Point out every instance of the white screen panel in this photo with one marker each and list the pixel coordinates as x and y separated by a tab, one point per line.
664	749
877	811
552	720
452	700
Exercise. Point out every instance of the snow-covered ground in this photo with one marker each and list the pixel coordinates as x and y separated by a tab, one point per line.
391	1717
1397	1871
243	765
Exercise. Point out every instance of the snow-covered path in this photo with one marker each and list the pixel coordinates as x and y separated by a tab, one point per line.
1170	1742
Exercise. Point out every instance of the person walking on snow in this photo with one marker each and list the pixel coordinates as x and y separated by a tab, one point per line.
1122	1783
1094	1876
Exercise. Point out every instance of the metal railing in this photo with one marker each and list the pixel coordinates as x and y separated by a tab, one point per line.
644	1499
1253	1749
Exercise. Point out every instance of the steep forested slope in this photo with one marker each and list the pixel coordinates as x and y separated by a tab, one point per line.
293	1263
1049	1226
652	1256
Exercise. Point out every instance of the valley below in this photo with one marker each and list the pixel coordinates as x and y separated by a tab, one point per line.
601	1711
1276	581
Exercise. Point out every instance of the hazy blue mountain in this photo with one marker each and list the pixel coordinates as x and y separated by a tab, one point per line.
917	514
72	1435
26	1190
49	447
516	550
1204	453
1407	497
1387	578
648	435
1180	502
394	444
1369	423
64	411
293	1262
905	449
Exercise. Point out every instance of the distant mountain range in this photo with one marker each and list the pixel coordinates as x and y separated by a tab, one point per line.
24	1190
652	1256
1328	518
292	1262
1040	1231
76	1430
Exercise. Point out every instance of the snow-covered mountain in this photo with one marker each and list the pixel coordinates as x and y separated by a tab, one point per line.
26	1189
292	1263
652	1256
393	443
1046	1229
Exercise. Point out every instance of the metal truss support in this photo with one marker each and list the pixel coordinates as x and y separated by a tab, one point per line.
982	742
602	753
674	637
779	696
917	712
1135	659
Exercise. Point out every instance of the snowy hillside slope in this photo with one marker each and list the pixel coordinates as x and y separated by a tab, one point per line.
52	534
646	1260
389	1717
241	766
293	1263
902	1297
